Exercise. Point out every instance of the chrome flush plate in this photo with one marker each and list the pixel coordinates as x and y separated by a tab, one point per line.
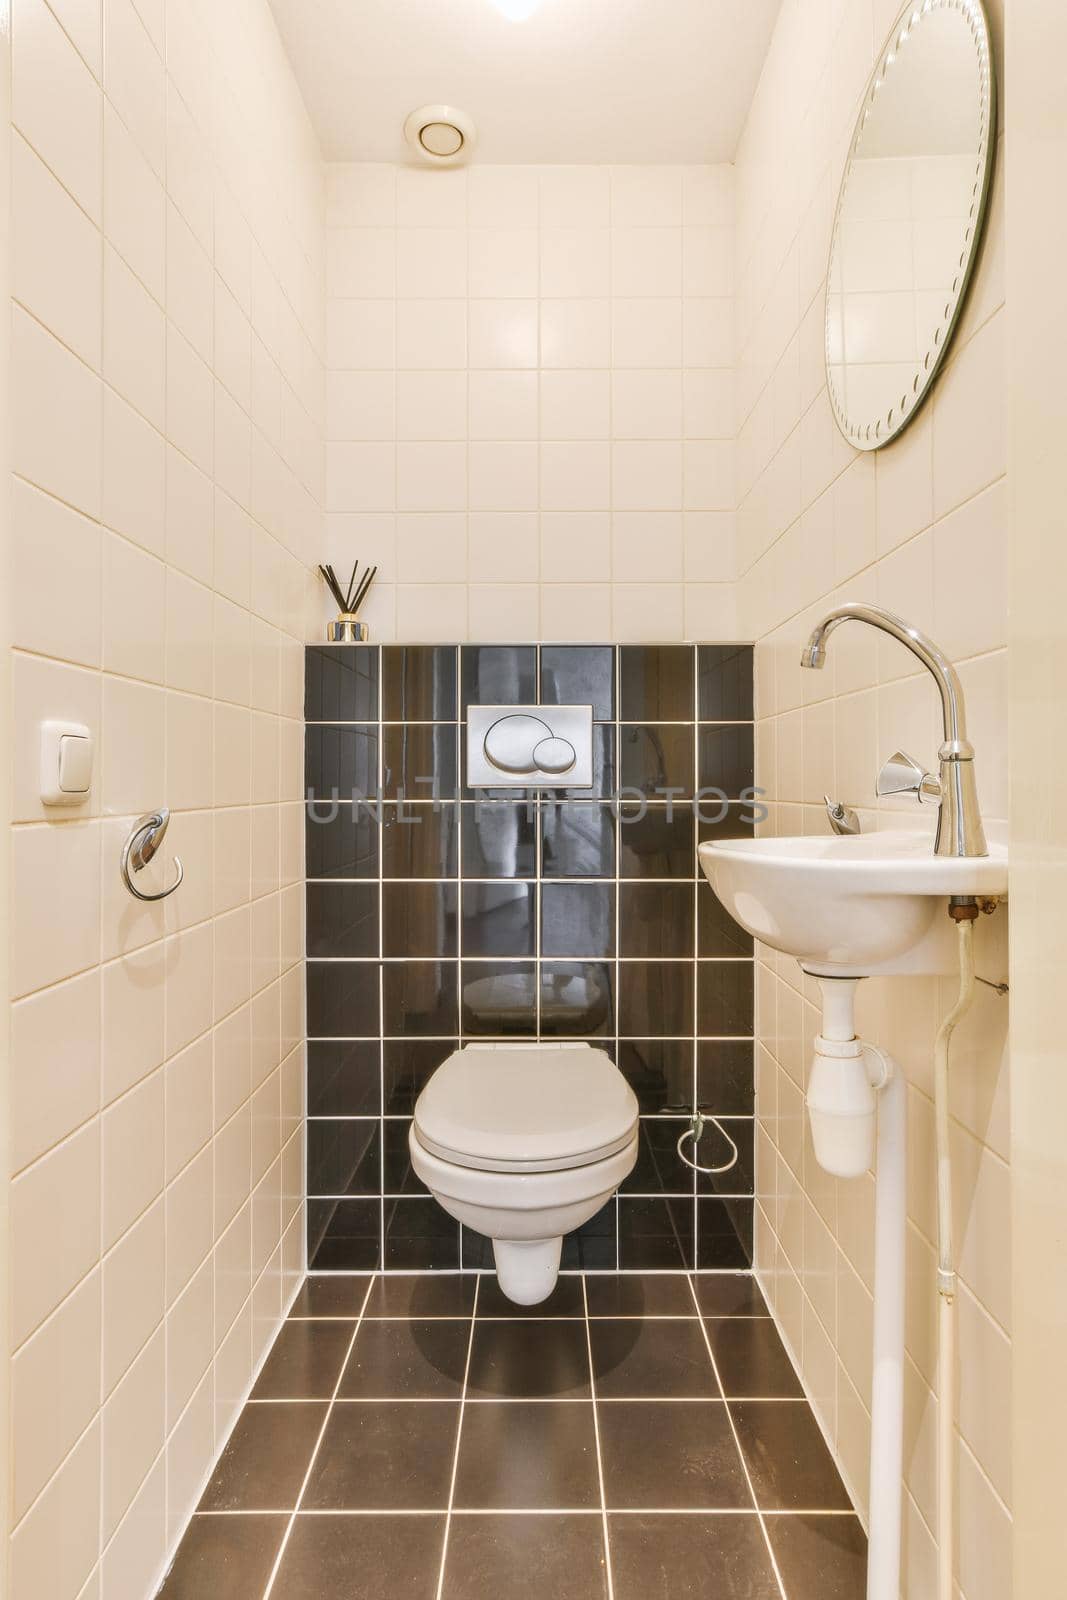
529	747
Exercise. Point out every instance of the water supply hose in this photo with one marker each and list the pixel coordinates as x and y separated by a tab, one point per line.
695	1131
963	913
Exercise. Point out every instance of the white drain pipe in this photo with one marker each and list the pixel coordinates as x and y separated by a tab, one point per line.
963	914
858	1107
857	1103
887	1393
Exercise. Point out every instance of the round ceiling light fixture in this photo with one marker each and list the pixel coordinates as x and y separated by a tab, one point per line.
442	136
517	10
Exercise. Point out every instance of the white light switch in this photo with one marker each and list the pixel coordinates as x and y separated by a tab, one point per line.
66	763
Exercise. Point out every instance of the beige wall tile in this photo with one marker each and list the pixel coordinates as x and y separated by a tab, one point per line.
83	24
134	609
50	537
189	1203
970	440
134	738
190	1341
132	993
132	1294
133	1431
549	383
915	527
134	80
134	340
56	103
42	1562
134	205
134	479
56	1058
189	401
190	286
57	257
54	863
190	1444
132	1153
55	1216
199	484
55	1390
57	425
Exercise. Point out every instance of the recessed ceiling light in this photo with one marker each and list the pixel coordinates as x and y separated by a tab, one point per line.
517	10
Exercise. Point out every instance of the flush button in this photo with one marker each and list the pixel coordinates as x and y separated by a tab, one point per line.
66	763
554	755
510	742
529	747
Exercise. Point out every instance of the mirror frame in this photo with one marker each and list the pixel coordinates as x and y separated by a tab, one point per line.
873	435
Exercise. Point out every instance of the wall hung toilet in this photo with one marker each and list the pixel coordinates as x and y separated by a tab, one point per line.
523	1143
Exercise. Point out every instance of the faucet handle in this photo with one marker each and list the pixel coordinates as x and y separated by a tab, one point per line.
902	774
843	820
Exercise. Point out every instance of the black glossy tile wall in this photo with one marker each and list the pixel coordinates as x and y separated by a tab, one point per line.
438	914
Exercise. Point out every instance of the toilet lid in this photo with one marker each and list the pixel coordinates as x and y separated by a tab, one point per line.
516	1107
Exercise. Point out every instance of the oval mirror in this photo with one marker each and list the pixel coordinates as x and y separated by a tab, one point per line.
909	216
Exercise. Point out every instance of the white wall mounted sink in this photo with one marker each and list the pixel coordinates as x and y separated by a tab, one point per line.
866	906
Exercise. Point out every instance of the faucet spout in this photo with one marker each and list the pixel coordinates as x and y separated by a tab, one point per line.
959	828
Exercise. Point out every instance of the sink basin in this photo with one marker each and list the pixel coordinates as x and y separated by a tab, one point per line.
851	907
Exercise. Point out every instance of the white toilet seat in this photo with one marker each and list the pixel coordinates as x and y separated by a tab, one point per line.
523	1143
492	1108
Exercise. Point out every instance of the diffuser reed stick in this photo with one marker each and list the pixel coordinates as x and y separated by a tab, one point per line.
348	629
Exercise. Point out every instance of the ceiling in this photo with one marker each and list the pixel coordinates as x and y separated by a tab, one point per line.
576	81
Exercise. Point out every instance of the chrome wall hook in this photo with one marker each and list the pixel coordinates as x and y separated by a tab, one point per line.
144	840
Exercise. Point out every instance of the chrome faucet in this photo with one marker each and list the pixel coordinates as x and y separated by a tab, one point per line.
959	823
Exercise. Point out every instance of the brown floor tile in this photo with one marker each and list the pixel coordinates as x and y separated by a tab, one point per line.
752	1359
431	1294
639	1294
690	1558
228	1558
527	1456
729	1294
529	1360
266	1459
382	1457
787	1458
820	1558
407	1361
306	1361
662	1456
564	1301
525	1558
651	1361
361	1558
331	1295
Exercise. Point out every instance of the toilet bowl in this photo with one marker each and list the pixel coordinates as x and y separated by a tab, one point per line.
525	1142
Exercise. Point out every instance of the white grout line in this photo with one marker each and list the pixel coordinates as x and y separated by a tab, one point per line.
318	1445
594	1316
740	1452
381	946
547	1511
599	1457
538	1400
635	1194
459	1440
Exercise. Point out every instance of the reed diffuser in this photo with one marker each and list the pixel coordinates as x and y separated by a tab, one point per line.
348	629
